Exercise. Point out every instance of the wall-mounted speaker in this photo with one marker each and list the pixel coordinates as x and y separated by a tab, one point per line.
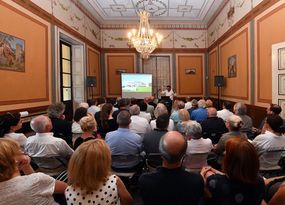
219	81
91	81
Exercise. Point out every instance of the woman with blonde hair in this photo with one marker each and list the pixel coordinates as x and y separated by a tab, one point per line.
31	189
184	118
88	126
93	182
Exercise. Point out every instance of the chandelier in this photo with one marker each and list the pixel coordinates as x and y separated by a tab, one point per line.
144	41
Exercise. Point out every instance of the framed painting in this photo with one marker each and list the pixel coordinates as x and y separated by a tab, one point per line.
190	71
232	66
12	53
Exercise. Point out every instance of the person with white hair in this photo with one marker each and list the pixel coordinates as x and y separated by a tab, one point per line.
44	145
159	110
138	125
196	143
241	110
200	114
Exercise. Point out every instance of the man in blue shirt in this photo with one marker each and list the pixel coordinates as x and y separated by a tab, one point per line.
200	114
124	142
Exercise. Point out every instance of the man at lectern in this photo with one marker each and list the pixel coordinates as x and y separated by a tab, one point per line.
168	92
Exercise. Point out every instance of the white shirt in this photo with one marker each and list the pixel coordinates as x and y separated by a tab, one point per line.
139	125
33	189
45	145
93	109
107	194
188	105
76	128
169	128
199	145
267	141
168	93
224	114
19	137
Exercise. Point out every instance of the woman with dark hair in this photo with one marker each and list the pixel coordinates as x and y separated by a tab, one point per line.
9	124
272	139
106	123
76	129
239	184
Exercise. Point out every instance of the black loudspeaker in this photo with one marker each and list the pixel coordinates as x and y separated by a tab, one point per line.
91	81
219	81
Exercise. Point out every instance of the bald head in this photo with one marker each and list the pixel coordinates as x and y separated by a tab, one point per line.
173	147
41	124
212	112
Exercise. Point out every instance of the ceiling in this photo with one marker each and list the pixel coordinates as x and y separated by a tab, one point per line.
162	11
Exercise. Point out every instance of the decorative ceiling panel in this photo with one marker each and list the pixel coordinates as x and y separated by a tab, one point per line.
108	11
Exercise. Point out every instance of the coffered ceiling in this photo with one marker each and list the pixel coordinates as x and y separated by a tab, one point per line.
162	11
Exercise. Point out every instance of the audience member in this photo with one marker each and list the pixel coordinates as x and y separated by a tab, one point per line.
143	111
123	104
233	123
93	181
184	117
159	110
272	139
60	127
105	120
175	109
152	138
196	144
273	109
138	125
200	114
188	103
123	141
32	188
76	129
213	127
9	124
209	103
279	196
240	110
84	105
225	112
171	184
88	126
45	145
96	105
194	103
240	182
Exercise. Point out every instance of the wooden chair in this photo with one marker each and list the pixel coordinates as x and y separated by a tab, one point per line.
195	161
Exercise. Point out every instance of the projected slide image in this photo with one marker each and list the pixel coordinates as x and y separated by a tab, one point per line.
135	83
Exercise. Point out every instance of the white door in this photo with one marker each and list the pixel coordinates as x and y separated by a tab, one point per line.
278	75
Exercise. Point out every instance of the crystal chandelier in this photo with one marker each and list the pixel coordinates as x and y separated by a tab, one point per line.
144	41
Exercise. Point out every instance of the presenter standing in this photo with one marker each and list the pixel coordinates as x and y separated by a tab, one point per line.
168	92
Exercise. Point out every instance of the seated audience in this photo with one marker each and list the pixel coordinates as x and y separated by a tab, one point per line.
233	123
143	112
60	127
76	129
175	109
239	183
184	117
84	105
105	121
123	104
171	184
138	124
225	112
151	139
123	141
194	103
209	103
9	124
44	145
272	139
29	189
188	103
240	110
200	114
196	144
213	127
93	182
88	126
159	110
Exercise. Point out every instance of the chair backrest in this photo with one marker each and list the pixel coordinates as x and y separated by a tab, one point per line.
195	161
153	160
269	159
125	161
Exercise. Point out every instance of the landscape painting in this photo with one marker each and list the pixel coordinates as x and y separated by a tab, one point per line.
12	53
